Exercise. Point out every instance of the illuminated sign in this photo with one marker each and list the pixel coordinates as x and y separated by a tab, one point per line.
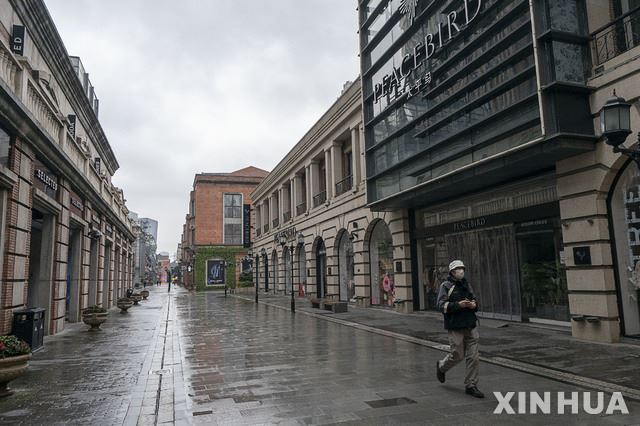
397	82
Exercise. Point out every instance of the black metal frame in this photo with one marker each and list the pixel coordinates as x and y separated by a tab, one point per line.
618	34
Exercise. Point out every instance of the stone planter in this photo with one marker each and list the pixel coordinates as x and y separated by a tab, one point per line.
145	294
11	368
136	297
124	303
94	319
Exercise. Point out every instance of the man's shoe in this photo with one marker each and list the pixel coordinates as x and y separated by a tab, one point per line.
473	391
439	373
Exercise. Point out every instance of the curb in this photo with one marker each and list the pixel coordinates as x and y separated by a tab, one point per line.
549	373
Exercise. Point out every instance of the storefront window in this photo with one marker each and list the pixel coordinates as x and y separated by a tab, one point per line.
302	270
381	264
274	271
543	277
625	214
5	144
345	263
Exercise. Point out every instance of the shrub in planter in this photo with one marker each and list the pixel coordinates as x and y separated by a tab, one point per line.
94	316
14	359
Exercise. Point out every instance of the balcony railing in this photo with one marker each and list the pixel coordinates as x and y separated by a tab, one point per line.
617	37
286	217
344	185
266	228
301	208
276	223
258	232
319	198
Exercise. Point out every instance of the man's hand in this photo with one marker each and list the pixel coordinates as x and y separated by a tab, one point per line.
466	304
473	304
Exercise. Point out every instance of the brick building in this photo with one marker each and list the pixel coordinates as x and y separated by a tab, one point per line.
217	229
65	238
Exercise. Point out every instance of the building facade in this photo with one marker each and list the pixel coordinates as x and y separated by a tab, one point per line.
144	249
480	121
314	234
65	238
216	233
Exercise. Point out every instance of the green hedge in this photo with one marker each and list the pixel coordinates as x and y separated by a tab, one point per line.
207	253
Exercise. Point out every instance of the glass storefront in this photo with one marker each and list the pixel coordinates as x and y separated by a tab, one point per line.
346	267
381	263
625	216
5	144
302	270
515	267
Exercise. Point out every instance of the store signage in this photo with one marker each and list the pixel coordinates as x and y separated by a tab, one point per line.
76	204
17	40
71	127
46	179
409	7
397	82
582	255
289	234
246	225
468	225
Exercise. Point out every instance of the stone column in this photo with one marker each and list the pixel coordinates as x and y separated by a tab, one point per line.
336	166
328	173
294	194
399	227
355	157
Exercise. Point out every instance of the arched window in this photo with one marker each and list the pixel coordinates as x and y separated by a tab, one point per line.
345	266
625	216
381	265
302	270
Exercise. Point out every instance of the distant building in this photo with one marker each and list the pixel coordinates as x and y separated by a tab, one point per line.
145	267
217	229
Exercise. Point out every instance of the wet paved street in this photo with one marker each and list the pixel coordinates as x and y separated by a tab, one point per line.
206	359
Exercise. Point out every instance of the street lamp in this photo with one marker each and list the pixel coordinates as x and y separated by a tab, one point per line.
615	123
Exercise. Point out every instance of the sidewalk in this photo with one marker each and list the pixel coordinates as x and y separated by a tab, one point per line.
127	373
544	351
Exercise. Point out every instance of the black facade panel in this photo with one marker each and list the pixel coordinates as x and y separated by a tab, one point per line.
458	84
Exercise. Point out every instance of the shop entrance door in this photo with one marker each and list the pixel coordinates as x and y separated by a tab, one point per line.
491	258
544	283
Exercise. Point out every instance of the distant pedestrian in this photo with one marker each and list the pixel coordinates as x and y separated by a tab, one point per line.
458	304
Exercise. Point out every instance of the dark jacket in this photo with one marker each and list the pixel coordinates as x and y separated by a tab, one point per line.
455	317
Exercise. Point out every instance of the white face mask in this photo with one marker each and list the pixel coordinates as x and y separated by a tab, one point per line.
458	274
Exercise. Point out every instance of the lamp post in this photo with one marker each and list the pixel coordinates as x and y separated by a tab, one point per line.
615	123
256	265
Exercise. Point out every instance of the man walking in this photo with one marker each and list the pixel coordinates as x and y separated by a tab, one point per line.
458	304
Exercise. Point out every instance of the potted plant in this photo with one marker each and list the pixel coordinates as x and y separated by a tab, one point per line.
136	297
144	293
14	359
94	316
124	303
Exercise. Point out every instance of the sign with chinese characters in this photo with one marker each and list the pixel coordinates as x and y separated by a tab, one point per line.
215	272
17	39
246	225
397	83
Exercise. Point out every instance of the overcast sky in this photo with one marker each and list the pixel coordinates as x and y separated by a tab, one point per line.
205	85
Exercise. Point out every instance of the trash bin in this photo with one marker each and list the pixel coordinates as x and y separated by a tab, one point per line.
28	325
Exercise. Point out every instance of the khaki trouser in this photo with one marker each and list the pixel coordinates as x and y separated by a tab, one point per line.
464	344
